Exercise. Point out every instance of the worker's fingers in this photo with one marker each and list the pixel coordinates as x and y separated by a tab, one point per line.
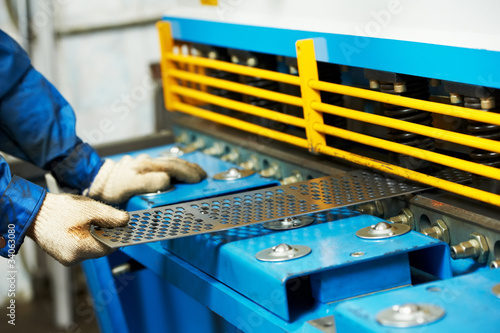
148	182
88	248
62	227
177	168
89	211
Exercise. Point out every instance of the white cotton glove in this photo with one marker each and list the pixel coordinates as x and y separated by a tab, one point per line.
62	227
117	182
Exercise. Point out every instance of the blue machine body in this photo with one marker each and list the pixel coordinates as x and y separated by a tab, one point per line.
217	279
457	296
214	283
334	274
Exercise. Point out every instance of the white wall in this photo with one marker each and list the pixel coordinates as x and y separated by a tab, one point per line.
104	73
105	77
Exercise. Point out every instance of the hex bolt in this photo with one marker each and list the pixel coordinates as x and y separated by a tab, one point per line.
251	62
182	138
216	150
212	55
374	208
195	52
475	248
232	156
405	217
250	164
235	59
271	171
455	98
439	230
295	177
195	145
399	87
374	84
488	103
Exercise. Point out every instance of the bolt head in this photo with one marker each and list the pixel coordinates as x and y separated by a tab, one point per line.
212	55
399	87
252	62
483	246
408	308
233	172
282	248
381	226
444	230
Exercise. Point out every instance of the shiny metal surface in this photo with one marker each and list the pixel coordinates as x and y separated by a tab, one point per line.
410	315
383	230
174	151
233	174
283	252
289	223
231	211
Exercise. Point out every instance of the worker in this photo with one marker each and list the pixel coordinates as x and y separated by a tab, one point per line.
38	126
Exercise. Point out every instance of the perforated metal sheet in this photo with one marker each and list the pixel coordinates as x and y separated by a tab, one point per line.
231	211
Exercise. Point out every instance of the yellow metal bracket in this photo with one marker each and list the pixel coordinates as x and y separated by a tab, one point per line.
185	89
308	71
167	47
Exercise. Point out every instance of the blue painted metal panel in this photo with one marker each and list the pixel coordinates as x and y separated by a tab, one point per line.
103	290
240	311
354	280
209	187
232	260
468	301
473	66
155	305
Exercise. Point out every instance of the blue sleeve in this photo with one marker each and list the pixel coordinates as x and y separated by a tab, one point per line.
20	201
37	125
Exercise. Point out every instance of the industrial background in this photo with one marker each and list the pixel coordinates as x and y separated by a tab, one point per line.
352	156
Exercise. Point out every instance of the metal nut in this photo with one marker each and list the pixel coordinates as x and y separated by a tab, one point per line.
372	208
439	230
405	217
271	171
232	156
475	248
488	103
374	84
399	87
294	178
455	98
483	246
250	164
216	150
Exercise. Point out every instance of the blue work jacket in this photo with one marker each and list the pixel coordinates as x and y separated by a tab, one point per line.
37	125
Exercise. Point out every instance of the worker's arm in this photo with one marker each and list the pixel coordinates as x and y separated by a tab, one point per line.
37	124
20	201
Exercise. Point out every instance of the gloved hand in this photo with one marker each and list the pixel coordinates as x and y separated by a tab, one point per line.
117	182
62	227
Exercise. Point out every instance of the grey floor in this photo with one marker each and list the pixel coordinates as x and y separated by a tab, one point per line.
38	315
